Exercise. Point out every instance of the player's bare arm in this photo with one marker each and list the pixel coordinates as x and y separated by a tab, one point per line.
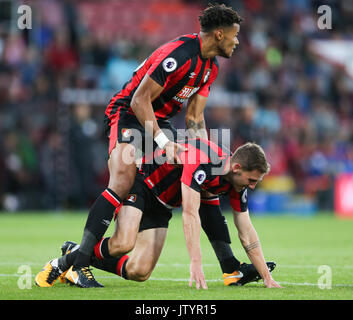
192	227
194	118
141	104
252	246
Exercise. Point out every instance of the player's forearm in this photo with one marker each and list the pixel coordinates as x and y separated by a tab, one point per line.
256	257
141	105
252	247
196	128
192	227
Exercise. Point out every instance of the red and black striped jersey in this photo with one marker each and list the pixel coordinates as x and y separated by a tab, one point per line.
203	168
179	68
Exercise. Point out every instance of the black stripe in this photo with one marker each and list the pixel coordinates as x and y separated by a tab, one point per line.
175	201
168	95
181	54
125	101
166	182
199	76
185	39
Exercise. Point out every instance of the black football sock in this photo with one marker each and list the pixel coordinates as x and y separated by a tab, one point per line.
225	256
101	249
112	265
98	221
215	226
67	260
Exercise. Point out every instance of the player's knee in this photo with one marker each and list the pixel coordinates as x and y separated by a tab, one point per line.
121	183
138	273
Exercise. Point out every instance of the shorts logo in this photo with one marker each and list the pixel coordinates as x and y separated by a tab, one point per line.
207	75
200	176
132	198
126	133
244	197
169	64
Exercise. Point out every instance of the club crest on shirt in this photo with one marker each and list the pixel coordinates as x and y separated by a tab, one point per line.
131	197
207	75
169	64
200	176
126	133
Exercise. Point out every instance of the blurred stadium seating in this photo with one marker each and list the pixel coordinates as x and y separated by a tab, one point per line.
57	78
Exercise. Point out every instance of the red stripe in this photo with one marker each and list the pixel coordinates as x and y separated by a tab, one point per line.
159	173
111	199
197	70
212	202
171	82
221	188
215	147
234	198
168	194
161	53
117	211
120	264
97	250
205	88
213	183
114	128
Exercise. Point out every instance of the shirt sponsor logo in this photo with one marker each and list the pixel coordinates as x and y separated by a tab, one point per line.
169	64
185	93
200	176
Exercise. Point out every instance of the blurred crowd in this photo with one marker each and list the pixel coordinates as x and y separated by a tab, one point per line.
53	154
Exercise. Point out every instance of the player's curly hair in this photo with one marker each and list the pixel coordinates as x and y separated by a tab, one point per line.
251	157
218	15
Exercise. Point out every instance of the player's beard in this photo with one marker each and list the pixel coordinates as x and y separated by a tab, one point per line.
223	53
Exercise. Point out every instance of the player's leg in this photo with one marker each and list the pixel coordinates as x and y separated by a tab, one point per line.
145	254
122	241
215	226
149	241
140	263
125	234
127	223
122	176
125	135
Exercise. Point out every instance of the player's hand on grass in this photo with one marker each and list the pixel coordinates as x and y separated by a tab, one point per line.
197	275
270	283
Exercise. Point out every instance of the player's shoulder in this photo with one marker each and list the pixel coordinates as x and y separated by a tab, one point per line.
182	48
206	153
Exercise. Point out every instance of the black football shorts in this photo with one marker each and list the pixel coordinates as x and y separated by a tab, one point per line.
126	128
154	213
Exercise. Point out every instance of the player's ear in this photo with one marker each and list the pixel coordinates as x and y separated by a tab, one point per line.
219	34
235	167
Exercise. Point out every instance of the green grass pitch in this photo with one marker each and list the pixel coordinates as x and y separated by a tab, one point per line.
298	245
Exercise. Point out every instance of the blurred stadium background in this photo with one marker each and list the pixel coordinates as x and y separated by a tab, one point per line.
282	89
